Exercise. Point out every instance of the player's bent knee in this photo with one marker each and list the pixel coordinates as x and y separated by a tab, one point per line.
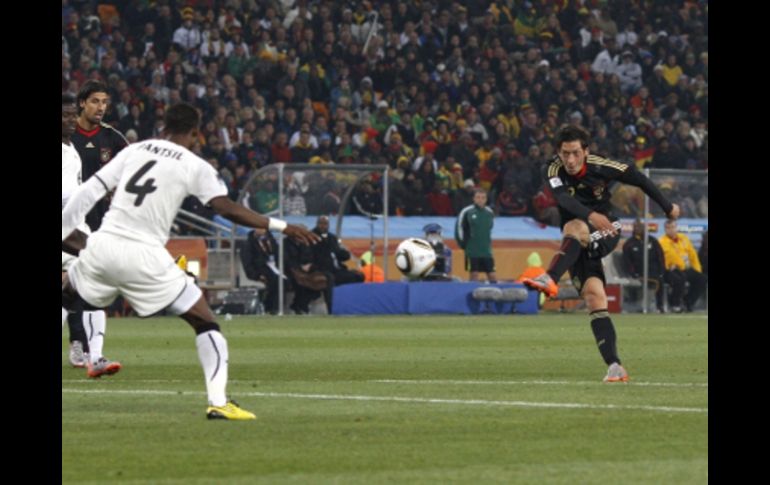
577	229
595	300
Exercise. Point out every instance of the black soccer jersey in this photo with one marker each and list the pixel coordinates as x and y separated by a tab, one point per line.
97	147
589	190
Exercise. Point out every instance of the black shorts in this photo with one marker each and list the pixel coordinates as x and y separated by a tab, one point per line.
589	263
482	265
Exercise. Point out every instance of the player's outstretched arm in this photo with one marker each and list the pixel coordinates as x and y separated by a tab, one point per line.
634	177
247	217
674	214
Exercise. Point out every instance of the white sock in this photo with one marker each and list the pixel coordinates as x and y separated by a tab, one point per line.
95	324
64	314
213	354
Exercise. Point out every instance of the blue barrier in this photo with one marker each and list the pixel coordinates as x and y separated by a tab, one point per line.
422	298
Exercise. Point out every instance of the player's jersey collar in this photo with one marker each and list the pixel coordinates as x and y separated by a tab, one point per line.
89	133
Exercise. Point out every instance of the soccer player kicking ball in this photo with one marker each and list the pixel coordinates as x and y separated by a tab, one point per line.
127	255
580	183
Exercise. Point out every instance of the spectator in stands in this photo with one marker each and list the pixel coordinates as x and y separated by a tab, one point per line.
294	202
511	201
658	85
303	150
250	58
280	151
463	152
630	73
672	70
633	261
668	156
463	197
682	266
187	36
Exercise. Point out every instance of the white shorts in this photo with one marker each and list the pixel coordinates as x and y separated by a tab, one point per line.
66	260
145	275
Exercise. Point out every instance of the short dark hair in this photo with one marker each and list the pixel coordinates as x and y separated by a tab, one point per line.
570	133
67	98
90	87
181	118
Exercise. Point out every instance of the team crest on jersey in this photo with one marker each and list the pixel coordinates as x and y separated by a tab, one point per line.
105	154
598	191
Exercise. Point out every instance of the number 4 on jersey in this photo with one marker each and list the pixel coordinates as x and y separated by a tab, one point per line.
146	188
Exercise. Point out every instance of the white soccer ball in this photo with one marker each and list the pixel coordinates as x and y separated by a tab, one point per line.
415	257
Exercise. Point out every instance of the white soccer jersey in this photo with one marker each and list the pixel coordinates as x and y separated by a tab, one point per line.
153	177
71	169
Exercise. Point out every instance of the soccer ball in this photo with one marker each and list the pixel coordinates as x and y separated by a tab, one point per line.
415	257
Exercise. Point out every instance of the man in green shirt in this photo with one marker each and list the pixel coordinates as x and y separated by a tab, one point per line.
473	233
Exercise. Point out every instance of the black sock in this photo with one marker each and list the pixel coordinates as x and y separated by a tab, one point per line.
604	333
565	258
77	332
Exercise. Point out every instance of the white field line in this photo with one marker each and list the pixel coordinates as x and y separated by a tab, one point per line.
539	382
447	381
468	402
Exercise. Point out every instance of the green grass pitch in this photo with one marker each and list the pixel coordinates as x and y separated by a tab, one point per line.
438	399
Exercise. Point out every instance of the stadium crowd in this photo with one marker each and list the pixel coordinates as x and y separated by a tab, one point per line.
451	95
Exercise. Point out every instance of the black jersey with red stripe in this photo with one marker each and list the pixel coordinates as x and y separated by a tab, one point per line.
589	190
97	147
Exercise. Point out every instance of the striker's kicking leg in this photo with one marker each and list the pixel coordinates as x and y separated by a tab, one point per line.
212	352
576	238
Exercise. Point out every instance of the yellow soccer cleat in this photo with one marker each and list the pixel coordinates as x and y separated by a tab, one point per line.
231	411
